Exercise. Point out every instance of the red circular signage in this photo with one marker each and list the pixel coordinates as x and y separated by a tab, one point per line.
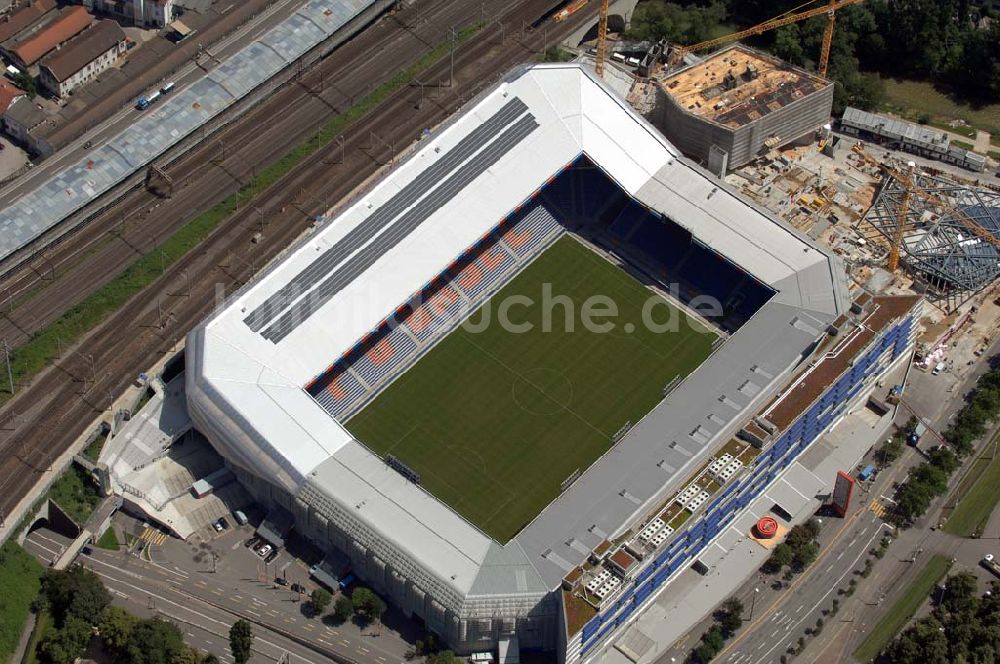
767	527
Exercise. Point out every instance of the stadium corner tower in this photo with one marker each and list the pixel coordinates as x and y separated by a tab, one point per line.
546	172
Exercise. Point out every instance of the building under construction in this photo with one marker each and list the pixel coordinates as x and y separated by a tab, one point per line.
946	234
738	103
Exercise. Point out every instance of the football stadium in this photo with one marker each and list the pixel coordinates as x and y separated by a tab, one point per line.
536	370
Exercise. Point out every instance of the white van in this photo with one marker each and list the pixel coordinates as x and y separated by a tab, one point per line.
938	368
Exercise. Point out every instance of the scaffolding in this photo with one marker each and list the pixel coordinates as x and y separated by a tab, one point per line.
940	248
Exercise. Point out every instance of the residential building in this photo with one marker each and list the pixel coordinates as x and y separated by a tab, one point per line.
142	13
22	19
83	58
24	121
25	52
9	93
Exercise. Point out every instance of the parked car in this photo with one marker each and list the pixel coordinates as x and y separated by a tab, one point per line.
217	526
264	550
298	588
271	556
252	542
223	524
281	581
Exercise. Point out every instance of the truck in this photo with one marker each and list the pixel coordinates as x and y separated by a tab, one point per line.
145	102
914	437
867	473
989	562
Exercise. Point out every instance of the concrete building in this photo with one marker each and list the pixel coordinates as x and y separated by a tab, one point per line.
910	137
141	13
83	58
736	104
26	51
273	376
22	122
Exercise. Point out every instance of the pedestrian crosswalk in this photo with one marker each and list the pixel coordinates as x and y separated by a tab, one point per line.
879	508
153	536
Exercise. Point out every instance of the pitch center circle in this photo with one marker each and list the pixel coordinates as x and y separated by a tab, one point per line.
542	391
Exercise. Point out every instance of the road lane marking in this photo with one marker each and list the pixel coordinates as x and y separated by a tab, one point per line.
253	613
182	607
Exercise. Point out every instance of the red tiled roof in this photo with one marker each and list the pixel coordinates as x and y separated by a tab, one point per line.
14	22
73	21
8	93
82	50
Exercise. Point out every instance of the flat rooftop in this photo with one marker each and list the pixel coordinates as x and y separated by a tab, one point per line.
853	337
737	86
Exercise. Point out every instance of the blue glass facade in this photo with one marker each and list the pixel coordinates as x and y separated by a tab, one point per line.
703	528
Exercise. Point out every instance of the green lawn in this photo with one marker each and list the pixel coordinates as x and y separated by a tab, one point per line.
42	625
912	98
109	540
899	614
20	580
494	421
76	493
976	502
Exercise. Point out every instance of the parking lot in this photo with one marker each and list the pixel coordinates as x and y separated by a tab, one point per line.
271	590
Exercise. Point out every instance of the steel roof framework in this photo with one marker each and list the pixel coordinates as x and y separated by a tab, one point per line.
938	246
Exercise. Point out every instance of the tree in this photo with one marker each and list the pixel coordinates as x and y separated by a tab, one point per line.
959	594
115	628
27	83
442	657
76	591
188	655
730	616
703	653
781	556
368	604
65	644
343	608
154	641
320	599
806	554
210	659
241	641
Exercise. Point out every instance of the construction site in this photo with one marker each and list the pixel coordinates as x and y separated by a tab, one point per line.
903	218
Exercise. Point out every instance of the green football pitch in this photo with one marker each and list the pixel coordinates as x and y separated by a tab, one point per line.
495	420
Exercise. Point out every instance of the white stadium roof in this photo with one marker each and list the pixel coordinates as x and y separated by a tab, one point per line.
249	363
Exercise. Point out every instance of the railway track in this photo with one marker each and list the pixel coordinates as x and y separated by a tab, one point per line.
45	418
38	293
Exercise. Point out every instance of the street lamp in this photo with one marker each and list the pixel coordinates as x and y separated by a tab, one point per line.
753	602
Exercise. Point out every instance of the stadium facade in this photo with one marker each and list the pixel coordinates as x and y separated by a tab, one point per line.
548	151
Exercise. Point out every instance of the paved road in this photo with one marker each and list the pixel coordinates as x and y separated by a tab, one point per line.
205	612
782	616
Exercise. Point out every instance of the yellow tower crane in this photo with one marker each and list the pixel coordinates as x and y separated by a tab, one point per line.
829	8
911	188
602	39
